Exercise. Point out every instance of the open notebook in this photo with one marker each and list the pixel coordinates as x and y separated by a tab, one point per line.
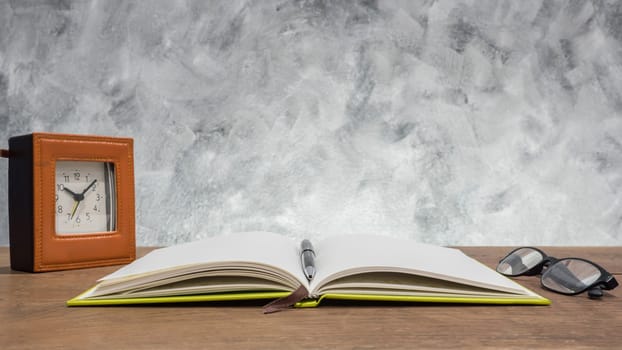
262	265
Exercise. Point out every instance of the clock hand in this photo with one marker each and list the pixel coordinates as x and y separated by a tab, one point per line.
78	197
88	187
73	210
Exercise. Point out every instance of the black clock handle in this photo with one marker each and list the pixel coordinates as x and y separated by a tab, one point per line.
89	187
78	197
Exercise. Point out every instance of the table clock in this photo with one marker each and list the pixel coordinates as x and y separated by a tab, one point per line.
71	201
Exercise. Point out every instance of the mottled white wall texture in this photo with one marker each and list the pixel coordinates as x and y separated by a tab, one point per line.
449	122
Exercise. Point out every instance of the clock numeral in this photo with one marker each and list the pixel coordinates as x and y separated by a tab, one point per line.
76	176
60	187
60	207
98	198
66	178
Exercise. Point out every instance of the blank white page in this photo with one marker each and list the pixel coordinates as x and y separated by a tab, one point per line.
248	247
364	253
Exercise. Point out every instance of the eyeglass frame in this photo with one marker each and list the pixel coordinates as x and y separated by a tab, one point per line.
605	281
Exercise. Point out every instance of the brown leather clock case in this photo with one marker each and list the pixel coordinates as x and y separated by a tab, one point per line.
34	244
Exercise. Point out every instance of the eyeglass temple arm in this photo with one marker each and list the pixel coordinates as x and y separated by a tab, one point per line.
597	291
611	282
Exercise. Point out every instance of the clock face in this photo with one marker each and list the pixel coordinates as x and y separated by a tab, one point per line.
85	197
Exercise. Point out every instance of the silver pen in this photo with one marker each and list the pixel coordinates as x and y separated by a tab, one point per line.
307	259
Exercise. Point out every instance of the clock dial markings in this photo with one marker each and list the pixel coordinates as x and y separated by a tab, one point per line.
79	197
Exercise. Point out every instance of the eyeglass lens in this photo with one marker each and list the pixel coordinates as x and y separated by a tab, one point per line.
519	261
570	276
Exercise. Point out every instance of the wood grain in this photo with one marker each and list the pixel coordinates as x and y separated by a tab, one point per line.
33	315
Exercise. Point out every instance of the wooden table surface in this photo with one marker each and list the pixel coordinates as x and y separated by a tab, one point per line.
33	315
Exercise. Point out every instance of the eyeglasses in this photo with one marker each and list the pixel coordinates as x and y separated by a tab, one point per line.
568	276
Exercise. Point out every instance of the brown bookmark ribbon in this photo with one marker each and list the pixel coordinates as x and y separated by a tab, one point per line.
287	301
4	153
